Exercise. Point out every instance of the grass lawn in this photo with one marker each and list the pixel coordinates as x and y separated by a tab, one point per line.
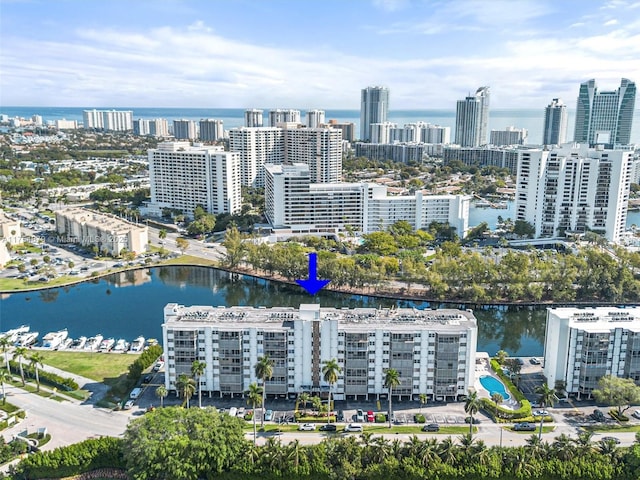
613	428
102	367
14	284
189	260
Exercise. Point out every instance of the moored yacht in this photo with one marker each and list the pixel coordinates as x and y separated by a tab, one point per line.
121	345
107	344
26	339
138	344
13	334
53	340
78	343
93	343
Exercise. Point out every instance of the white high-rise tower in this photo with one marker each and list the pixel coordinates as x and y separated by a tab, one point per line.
374	107
472	119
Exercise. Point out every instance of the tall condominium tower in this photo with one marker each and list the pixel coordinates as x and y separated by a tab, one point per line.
374	107
211	130
256	146
283	116
184	129
508	136
108	120
605	117
472	119
253	118
183	177
555	123
315	118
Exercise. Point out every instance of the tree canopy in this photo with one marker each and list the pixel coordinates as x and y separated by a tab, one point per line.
618	392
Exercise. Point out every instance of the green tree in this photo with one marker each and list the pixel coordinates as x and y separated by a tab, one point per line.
35	361
471	407
330	372
162	234
497	398
618	392
501	356
197	370
254	397
5	344
161	393
546	398
264	371
391	381
182	244
379	243
5	377
20	354
423	400
183	444
187	387
304	398
235	248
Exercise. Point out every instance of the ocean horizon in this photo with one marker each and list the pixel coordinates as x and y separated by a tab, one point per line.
499	118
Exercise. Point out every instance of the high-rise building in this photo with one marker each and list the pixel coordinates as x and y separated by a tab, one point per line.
573	189
348	129
374	107
434	351
294	202
108	120
508	136
283	116
315	118
381	132
320	148
253	118
605	117
555	123
582	345
183	176
211	130
435	134
472	119
256	146
184	130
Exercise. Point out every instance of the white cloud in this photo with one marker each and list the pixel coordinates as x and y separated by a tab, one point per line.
610	22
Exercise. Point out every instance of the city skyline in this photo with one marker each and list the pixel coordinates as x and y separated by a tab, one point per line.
225	54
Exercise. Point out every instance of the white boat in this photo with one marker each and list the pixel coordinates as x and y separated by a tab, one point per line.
138	344
121	345
27	339
53	340
107	344
66	344
78	343
93	343
13	334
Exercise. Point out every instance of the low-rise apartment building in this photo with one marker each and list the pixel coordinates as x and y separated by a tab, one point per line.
584	344
433	350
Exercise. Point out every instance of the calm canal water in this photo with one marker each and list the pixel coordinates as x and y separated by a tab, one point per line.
129	304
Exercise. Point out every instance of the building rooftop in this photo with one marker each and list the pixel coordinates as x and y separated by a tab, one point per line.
600	319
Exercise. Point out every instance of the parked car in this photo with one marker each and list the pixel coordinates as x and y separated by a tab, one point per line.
353	427
598	416
610	439
475	420
432	427
128	405
636	414
370	416
147	378
268	415
359	416
240	412
524	427
535	361
540	413
329	427
307	427
340	416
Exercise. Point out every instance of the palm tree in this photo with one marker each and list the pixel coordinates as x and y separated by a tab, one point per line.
423	400
197	370
391	380
264	371
497	398
5	377
304	398
35	361
471	407
330	372
161	392
5	344
254	397
20	353
187	387
547	397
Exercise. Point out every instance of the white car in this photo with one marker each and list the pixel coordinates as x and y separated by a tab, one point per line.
541	413
636	414
353	427
128	405
308	427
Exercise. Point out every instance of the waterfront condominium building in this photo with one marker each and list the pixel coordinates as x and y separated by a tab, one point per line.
382	132
157	127
283	116
555	123
572	189
508	136
253	118
315	118
398	151
183	177
211	130
110	234
374	107
256	146
348	129
434	134
108	120
472	119
295	204
486	156
433	350
185	129
605	117
319	148
582	345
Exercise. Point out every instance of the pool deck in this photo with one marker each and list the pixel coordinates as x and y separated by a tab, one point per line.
483	368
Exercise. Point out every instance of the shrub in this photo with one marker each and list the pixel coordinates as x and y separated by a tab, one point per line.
248	416
46	378
619	417
381	418
144	361
419	418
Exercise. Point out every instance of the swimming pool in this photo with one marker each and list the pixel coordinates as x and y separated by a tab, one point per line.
493	385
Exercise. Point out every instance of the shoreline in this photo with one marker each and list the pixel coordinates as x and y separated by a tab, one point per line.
412	294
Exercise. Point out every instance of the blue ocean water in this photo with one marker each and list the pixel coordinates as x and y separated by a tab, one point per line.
531	119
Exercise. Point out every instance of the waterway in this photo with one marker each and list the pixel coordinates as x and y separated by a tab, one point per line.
129	304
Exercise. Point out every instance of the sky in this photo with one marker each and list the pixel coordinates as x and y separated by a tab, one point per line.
311	54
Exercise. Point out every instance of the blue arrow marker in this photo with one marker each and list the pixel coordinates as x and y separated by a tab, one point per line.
313	285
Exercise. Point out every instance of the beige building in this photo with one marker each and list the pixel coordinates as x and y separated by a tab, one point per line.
10	230
108	232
